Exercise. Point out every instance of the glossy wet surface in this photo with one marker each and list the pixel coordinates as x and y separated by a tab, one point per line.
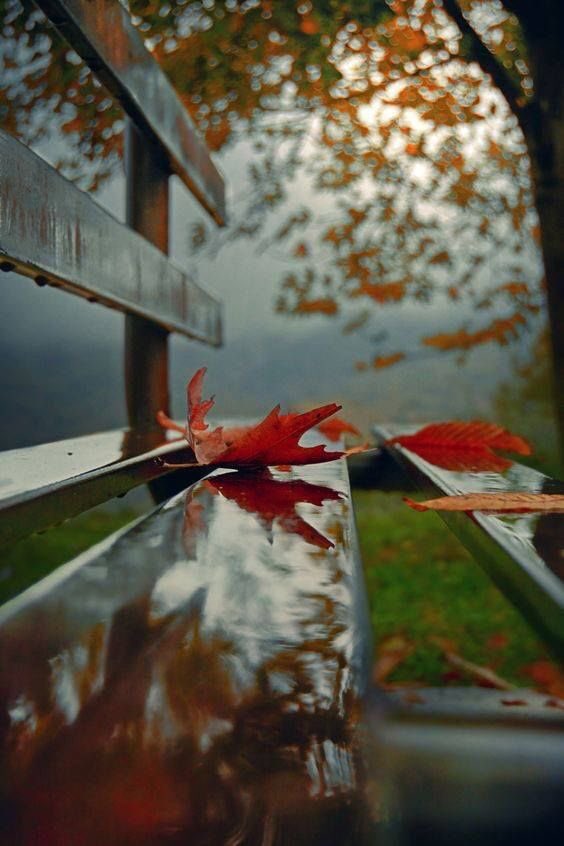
527	553
196	680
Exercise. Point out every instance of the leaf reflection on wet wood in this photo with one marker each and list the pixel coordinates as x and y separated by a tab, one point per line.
273	500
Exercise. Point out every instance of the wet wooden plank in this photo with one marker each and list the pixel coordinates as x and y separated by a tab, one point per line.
197	675
103	35
41	486
523	554
55	233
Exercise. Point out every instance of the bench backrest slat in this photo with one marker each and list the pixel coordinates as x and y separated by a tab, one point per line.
58	235
104	36
52	231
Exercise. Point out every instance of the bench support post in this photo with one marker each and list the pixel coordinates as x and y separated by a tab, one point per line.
146	345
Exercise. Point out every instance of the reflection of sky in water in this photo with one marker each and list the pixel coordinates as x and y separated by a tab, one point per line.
263	590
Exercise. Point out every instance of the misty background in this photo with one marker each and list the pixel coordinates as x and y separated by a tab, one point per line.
61	372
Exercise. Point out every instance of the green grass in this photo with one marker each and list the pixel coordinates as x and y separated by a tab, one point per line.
33	558
423	584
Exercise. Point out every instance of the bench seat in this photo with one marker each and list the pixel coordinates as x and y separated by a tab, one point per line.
203	676
196	675
43	485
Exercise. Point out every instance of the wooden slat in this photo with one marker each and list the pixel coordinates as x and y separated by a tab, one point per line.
522	554
102	34
206	665
43	485
54	232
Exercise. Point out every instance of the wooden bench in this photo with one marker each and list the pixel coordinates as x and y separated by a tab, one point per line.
203	675
196	676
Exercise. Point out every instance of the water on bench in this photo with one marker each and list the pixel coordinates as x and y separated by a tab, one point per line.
197	679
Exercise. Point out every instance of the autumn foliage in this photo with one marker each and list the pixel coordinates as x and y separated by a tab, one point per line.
334	428
354	97
507	502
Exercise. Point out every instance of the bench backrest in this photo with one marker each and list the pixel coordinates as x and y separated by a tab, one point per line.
59	236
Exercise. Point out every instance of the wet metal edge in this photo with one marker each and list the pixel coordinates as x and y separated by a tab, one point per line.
515	566
98	468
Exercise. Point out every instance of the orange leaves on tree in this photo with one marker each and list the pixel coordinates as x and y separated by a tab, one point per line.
382	361
381	292
499	331
494	503
515	289
406	39
321	305
357	216
309	26
464	446
273	441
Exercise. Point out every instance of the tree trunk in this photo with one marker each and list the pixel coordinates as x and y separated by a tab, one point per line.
545	138
542	123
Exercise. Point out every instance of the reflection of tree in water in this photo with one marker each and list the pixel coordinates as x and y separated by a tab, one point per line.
188	721
179	752
370	103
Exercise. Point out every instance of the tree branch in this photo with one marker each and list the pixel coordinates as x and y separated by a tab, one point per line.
487	61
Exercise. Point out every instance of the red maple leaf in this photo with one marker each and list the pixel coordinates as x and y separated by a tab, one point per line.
273	441
271	500
464	446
